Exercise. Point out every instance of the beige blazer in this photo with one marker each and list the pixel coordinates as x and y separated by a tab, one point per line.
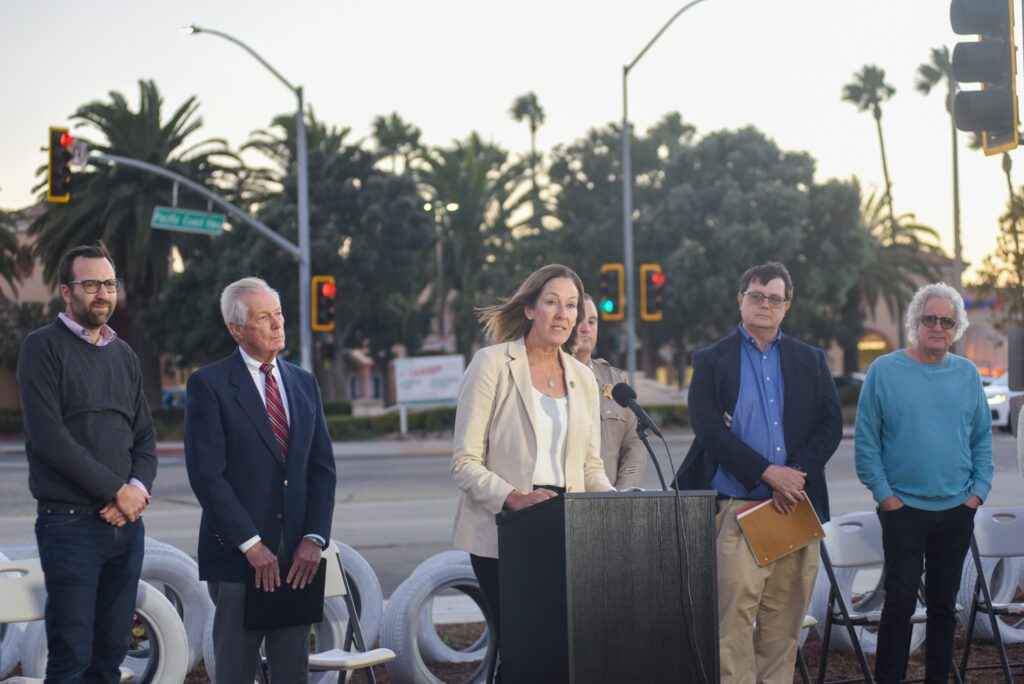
495	448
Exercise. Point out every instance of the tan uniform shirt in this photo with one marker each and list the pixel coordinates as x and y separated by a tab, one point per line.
623	453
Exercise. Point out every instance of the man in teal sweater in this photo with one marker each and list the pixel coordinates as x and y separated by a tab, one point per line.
924	449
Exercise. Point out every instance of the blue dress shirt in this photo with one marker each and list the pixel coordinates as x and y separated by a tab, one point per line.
757	418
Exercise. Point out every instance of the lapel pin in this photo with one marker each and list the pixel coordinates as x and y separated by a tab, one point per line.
572	384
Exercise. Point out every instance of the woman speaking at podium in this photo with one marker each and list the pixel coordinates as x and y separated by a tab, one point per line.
527	425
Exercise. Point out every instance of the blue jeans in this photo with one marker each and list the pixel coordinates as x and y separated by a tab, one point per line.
935	542
91	570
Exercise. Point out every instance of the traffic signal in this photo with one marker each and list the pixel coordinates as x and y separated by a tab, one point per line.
58	168
611	300
992	62
323	291
655	292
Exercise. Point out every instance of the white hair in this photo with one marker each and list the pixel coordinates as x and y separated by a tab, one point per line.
935	291
232	303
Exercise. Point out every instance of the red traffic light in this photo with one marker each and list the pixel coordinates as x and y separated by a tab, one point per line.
658	278
328	289
66	140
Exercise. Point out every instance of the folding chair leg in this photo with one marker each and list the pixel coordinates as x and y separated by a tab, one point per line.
826	639
993	619
969	634
805	676
353	620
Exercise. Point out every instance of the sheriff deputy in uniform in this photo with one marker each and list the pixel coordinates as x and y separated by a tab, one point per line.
622	451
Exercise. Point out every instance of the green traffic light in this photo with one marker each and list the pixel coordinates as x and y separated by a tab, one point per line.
607	306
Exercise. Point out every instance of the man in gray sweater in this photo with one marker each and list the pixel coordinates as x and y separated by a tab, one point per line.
92	458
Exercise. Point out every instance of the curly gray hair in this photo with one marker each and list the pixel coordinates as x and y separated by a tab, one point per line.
916	309
232	305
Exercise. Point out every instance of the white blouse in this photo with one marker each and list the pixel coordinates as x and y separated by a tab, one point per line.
552	425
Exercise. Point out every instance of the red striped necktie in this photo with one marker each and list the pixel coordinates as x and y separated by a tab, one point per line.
275	409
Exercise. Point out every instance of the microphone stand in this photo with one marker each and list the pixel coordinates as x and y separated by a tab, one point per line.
641	431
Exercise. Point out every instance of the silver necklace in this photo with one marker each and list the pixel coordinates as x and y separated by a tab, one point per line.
551	383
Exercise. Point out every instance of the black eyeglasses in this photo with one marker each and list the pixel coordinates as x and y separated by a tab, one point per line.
946	322
759	298
93	286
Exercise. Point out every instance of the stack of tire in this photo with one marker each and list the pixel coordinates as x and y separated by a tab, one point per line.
409	629
172	608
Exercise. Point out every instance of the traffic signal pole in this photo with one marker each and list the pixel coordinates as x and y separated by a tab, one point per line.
627	201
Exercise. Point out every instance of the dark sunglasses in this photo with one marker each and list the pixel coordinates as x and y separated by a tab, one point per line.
946	322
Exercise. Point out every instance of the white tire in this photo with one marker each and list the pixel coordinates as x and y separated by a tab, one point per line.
401	626
154	545
175	574
11	636
872	600
19	551
1002	575
433	649
449	557
160	659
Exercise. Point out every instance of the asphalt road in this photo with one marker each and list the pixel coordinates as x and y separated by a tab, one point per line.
395	500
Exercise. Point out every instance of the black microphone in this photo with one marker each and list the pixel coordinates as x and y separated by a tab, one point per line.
625	396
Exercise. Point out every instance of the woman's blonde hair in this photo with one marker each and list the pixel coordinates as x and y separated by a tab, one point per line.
507	321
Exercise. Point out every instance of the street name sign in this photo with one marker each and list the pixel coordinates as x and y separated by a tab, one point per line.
187	221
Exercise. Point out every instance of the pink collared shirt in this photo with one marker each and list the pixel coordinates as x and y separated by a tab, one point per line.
107	334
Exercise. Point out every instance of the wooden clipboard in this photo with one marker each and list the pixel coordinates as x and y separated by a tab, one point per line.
772	535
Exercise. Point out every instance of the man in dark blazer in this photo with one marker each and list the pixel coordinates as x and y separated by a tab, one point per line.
260	462
766	420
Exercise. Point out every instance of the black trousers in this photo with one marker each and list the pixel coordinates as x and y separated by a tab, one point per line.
937	543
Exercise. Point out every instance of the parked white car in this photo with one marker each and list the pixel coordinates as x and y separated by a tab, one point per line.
1000	397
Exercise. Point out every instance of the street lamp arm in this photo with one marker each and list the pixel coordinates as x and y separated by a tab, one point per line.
198	29
262	228
658	35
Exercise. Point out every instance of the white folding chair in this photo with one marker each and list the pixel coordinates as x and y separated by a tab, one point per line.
24	598
998	533
23	592
343	659
853	541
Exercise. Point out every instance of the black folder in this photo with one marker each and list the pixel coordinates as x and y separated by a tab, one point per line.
284	607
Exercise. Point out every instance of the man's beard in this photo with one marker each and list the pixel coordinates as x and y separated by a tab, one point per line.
93	316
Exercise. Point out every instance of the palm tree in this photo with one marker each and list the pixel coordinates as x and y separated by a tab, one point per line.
12	261
868	90
477	238
527	108
904	253
398	139
114	204
930	74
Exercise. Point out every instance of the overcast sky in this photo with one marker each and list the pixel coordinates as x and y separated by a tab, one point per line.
453	66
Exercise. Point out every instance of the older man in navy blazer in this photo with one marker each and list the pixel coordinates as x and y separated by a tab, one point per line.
766	420
260	462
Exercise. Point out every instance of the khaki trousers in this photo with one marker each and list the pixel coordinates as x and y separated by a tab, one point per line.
760	610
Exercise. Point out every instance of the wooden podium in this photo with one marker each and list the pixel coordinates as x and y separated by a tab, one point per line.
599	588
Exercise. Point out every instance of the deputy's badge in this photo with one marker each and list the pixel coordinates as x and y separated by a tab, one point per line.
606	391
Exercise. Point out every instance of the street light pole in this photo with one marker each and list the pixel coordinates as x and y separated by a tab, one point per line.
305	274
627	200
